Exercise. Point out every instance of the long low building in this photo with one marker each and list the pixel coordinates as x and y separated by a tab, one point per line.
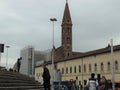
78	64
81	66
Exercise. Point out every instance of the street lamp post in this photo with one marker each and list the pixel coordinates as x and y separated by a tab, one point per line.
7	55
53	20
112	66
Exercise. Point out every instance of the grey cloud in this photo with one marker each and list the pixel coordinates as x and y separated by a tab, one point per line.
26	22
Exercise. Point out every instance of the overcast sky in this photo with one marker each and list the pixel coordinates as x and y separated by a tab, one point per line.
26	22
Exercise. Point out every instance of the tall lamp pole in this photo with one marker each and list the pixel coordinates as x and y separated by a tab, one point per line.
112	66
53	20
7	55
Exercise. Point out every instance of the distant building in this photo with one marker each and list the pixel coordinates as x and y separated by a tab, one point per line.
81	64
32	57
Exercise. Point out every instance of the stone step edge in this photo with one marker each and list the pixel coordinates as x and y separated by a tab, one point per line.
21	87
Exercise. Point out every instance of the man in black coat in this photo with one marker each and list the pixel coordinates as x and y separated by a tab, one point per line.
46	78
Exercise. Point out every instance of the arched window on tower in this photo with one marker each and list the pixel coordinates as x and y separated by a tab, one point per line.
68	20
68	47
67	30
108	66
116	65
68	54
68	40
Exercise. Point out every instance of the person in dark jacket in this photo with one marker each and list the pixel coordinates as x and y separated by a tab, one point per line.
46	78
19	63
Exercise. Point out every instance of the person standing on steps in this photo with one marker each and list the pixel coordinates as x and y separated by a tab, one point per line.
19	63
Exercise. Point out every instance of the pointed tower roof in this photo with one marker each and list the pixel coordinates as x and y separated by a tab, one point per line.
66	16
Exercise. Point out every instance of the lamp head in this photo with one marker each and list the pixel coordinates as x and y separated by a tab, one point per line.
53	19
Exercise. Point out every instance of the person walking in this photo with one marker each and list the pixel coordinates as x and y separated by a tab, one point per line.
77	83
46	78
72	85
80	86
103	84
92	83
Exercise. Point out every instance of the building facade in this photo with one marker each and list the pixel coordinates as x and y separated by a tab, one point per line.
81	65
27	62
32	58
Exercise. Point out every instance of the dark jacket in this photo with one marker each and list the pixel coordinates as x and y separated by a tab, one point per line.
46	77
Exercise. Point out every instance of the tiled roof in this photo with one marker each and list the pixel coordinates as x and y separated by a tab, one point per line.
91	53
87	54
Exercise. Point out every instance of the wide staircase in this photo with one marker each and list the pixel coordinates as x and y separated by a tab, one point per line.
15	81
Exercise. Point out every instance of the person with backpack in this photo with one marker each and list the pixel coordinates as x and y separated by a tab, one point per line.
18	63
46	78
92	83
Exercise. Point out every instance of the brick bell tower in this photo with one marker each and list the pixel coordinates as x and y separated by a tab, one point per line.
67	32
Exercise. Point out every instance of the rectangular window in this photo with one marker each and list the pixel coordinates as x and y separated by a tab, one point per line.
95	68
70	69
84	68
75	69
62	70
66	70
108	66
102	67
89	67
79	68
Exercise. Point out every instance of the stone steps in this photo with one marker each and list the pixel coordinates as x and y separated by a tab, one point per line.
22	88
15	78
16	81
16	84
13	74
